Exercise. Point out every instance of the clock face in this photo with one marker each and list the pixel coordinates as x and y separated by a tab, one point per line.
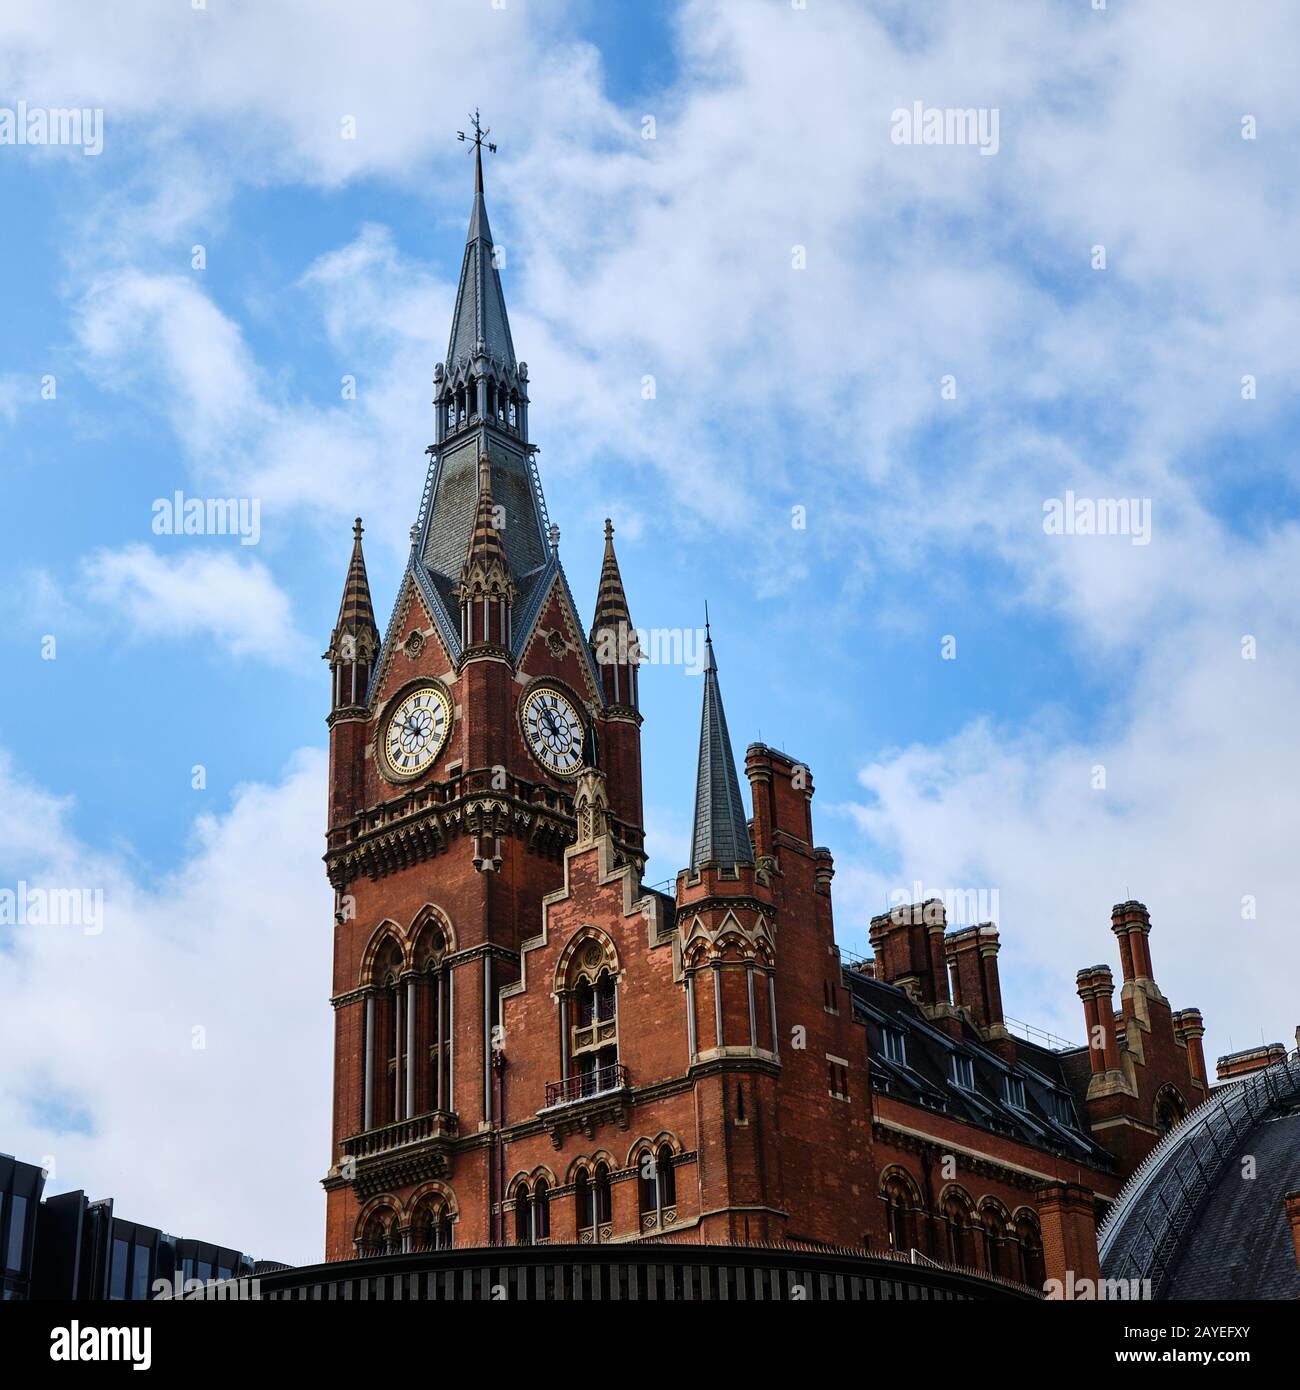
553	729
416	732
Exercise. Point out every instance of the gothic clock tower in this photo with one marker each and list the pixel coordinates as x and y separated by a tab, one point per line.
456	745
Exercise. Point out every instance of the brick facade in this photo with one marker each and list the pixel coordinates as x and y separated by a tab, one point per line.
530	1045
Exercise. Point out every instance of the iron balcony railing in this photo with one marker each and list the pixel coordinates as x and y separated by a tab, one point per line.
585	1085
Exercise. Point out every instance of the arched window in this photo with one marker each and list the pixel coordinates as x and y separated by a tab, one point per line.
603	1204
658	1186
385	1039
957	1219
532	1212
900	1213
431	1225
993	1230
589	1007
1170	1109
379	1236
584	1197
523	1215
541	1210
434	1019
1030	1242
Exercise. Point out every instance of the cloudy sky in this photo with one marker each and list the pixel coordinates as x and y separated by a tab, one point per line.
874	363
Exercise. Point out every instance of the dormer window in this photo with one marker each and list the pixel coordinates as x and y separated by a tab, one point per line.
1061	1109
1013	1092
962	1073
895	1046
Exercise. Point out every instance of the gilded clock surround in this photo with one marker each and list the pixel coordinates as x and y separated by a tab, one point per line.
565	697
442	697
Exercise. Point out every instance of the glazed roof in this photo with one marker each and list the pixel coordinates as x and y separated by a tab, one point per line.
1191	1223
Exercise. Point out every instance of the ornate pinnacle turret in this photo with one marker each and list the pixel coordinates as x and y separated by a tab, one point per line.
355	638
613	638
721	828
486	589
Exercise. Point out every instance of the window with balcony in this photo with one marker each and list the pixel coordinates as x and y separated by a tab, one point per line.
588	990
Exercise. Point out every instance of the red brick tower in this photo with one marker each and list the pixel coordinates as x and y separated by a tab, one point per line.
454	752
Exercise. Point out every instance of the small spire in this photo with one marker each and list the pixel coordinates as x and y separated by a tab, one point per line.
721	826
355	631
485	546
611	600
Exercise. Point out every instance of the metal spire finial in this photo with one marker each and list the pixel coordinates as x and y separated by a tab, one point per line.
478	141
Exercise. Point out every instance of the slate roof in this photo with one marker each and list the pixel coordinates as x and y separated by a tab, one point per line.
480	304
721	826
1240	1244
1049	1118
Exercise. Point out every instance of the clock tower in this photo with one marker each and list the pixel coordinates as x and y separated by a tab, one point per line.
457	741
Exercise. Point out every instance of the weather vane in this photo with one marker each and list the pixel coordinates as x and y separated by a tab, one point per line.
478	138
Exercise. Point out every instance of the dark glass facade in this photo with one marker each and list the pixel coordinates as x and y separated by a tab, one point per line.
21	1185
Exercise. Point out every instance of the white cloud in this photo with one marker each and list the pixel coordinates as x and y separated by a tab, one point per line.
102	1074
206	594
1198	814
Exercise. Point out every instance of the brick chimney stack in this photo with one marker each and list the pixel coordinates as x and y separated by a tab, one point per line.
1096	988
1131	923
972	955
1189	1029
908	943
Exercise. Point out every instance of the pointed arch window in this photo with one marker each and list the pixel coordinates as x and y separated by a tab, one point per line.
533	1213
658	1187
900	1214
590	1013
386	1040
1029	1240
431	1225
380	1236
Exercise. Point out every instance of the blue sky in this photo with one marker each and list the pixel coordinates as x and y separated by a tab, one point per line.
776	388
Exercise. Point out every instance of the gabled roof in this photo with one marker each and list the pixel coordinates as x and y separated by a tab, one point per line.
721	826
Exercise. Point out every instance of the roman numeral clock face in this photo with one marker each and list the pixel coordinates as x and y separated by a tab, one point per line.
415	733
553	729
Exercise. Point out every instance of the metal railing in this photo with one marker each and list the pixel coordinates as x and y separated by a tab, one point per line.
585	1085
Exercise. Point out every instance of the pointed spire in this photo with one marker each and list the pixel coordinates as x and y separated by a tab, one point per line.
611	601
613	638
356	613
355	639
480	326
485	546
721	828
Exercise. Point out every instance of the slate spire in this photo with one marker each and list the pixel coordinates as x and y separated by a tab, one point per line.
613	638
479	326
355	639
721	828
